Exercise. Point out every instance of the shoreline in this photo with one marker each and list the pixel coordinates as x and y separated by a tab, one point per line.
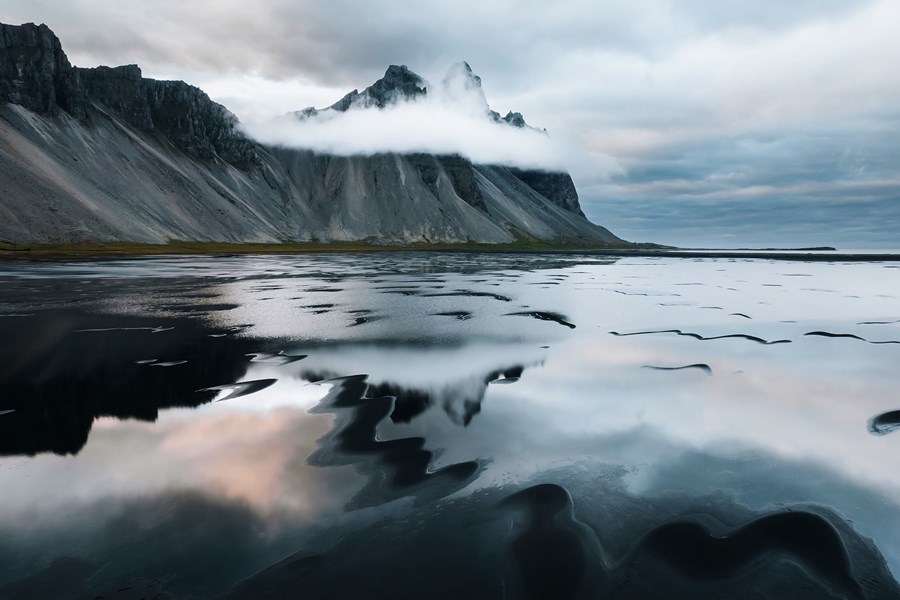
179	248
57	252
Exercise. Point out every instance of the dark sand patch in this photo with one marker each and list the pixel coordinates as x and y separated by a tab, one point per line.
697	336
544	316
851	336
699	366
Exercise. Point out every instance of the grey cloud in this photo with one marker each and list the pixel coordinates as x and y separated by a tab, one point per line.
344	40
765	14
867	220
695	109
828	184
452	118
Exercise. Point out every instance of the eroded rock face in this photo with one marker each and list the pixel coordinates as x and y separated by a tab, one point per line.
465	184
182	112
196	124
556	186
35	73
121	89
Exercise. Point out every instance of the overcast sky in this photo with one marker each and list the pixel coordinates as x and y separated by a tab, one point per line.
699	122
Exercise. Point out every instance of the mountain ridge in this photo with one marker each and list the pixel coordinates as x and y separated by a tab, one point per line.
104	154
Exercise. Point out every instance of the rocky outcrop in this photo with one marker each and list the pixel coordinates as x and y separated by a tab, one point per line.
121	89
105	154
181	112
465	183
515	119
555	186
307	113
35	73
398	83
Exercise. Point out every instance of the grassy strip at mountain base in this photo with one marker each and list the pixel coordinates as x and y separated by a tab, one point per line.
94	249
52	252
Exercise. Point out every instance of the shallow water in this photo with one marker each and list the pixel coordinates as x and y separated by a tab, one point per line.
442	425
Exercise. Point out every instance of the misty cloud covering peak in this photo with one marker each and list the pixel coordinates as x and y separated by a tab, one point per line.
404	113
463	87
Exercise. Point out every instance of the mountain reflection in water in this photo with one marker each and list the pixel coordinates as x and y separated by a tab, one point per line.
390	426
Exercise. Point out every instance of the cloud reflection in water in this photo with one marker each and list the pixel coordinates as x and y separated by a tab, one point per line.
414	434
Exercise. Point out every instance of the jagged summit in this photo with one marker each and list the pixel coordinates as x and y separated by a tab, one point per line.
306	113
463	87
515	119
463	68
398	84
460	86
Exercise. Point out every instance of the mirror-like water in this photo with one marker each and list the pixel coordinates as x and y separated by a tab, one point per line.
448	425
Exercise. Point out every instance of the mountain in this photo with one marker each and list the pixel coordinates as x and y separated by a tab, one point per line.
103	154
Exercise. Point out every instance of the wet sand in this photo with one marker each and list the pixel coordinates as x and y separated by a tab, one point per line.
448	425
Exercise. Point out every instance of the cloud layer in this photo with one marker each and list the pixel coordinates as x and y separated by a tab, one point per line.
758	122
451	118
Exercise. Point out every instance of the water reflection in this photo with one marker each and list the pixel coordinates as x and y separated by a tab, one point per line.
65	370
394	468
391	429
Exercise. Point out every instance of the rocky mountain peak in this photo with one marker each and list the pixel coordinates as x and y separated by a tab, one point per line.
463	87
460	85
515	119
136	159
397	84
346	102
464	73
306	113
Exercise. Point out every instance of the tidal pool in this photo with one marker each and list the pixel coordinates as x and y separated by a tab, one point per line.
418	425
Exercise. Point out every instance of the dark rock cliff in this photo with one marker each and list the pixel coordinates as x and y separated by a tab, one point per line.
555	186
122	90
35	73
104	154
181	112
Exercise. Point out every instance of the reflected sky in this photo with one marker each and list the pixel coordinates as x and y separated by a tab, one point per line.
456	396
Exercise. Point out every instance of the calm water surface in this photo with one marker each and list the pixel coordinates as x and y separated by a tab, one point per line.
444	426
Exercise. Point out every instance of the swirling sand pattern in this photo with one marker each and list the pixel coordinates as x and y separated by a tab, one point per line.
554	555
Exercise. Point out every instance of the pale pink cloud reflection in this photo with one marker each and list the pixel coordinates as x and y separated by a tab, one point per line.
250	449
242	456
